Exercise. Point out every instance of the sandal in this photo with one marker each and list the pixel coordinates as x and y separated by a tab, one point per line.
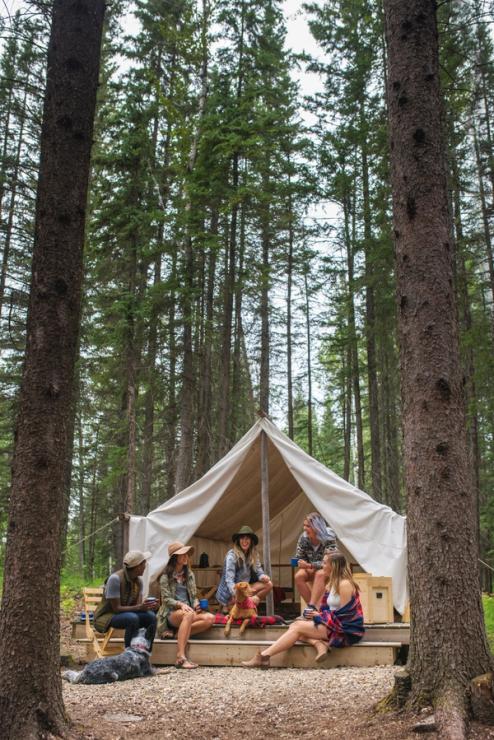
185	663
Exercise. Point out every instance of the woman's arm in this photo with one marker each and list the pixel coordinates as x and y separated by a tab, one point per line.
193	589
300	553
230	567
346	592
168	599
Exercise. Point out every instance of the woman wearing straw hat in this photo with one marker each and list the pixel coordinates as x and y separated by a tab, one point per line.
180	608
242	564
122	606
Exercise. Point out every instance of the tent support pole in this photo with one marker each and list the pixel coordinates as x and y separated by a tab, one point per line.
266	540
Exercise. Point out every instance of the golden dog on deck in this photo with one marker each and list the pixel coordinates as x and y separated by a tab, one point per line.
244	607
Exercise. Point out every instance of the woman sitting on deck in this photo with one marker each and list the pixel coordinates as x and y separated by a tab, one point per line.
316	538
338	623
242	564
180	608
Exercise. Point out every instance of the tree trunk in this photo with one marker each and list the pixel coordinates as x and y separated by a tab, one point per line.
229	281
171	410
355	365
80	494
347	405
31	703
448	646
370	327
485	220
186	446
237	394
264	304
289	280
309	365
228	295
204	421
11	211
469	361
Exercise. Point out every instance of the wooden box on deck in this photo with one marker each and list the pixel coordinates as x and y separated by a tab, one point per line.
376	597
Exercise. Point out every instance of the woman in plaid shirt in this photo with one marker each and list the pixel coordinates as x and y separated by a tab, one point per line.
316	538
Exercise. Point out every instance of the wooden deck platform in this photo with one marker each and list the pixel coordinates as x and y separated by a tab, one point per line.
379	647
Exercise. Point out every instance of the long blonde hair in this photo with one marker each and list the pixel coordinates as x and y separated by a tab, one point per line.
340	571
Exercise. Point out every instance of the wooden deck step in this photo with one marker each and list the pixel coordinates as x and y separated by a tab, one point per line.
392	632
232	652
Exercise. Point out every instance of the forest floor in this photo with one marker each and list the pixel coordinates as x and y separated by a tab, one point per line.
225	703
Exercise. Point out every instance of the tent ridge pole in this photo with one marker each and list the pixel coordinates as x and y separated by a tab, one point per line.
266	539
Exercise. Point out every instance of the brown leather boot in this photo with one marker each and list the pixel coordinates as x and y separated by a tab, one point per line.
258	661
322	650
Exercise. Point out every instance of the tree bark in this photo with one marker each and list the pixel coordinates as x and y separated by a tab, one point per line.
31	703
309	366
447	646
354	369
13	195
264	370
289	280
204	422
186	446
370	330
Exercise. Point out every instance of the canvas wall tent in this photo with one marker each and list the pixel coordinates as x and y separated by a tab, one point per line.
227	496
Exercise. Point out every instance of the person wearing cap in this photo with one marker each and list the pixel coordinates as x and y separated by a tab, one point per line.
242	564
122	605
180	610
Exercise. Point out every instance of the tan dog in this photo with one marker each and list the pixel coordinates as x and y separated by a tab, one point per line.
244	607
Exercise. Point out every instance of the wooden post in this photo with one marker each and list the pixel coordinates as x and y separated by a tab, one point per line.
125	519
266	539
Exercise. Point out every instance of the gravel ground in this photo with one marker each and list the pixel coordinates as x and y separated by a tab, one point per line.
231	702
227	703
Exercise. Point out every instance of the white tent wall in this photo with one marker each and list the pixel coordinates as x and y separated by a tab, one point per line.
228	496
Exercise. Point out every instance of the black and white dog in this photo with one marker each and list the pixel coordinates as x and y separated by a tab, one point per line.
132	663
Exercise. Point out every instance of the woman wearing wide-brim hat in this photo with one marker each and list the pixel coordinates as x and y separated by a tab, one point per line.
242	564
180	610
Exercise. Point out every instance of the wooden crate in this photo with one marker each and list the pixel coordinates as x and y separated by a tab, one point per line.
376	597
406	615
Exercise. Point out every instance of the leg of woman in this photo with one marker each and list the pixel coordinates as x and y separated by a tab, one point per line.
318	587
299	630
202	622
260	590
183	622
302	579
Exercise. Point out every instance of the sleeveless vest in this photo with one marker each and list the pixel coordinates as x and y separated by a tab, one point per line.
129	593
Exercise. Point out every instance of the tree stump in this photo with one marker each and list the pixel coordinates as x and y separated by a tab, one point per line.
402	687
482	698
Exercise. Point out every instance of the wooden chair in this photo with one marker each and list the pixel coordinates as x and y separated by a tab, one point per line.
100	641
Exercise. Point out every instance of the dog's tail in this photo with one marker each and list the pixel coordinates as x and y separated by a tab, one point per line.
71	676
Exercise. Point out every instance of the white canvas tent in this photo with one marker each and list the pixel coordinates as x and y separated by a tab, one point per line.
207	513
